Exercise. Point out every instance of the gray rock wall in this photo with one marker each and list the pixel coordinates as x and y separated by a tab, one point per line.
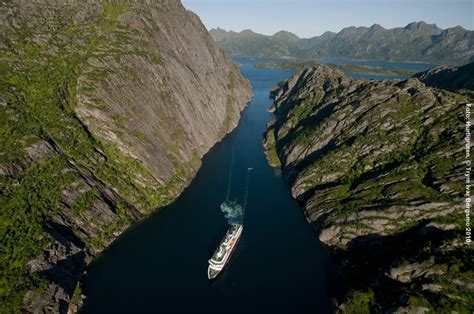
106	111
379	169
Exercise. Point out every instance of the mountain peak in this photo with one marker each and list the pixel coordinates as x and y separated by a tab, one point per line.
283	32
247	32
377	27
285	35
422	27
453	31
218	30
219	33
327	35
374	29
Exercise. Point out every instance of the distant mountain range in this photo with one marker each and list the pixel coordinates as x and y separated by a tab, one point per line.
418	41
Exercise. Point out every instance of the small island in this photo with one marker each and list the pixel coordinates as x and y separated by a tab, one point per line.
297	65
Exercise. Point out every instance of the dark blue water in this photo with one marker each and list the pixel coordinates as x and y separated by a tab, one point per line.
160	265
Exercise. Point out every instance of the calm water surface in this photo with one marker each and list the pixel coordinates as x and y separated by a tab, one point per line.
279	266
160	264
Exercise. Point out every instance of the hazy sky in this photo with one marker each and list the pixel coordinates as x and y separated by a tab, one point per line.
308	18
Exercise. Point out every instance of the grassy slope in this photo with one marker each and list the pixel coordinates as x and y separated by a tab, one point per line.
417	161
38	86
297	65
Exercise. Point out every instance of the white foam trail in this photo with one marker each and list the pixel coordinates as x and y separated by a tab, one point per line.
246	193
232	158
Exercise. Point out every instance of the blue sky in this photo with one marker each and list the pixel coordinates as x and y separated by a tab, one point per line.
308	18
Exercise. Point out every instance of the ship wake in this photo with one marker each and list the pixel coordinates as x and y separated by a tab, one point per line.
233	211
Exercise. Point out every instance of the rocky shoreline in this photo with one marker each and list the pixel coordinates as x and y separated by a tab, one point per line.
378	169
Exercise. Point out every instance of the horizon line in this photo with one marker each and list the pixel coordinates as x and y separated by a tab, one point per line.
335	32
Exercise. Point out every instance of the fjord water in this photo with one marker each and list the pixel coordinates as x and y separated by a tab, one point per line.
160	265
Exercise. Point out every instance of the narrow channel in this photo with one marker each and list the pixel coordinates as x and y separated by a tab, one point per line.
160	265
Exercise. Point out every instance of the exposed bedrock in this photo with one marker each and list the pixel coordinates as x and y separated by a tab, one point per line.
379	169
106	109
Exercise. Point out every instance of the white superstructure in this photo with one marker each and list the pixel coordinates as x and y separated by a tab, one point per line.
222	254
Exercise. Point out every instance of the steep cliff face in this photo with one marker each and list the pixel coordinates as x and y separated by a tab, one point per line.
105	111
379	168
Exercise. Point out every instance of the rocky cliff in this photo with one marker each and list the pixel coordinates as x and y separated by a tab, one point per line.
379	168
105	111
460	79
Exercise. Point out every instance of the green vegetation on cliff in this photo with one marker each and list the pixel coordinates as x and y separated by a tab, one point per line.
378	166
298	65
79	161
38	90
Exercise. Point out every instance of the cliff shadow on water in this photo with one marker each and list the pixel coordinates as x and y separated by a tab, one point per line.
101	122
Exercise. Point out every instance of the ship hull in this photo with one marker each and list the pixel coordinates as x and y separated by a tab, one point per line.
224	252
